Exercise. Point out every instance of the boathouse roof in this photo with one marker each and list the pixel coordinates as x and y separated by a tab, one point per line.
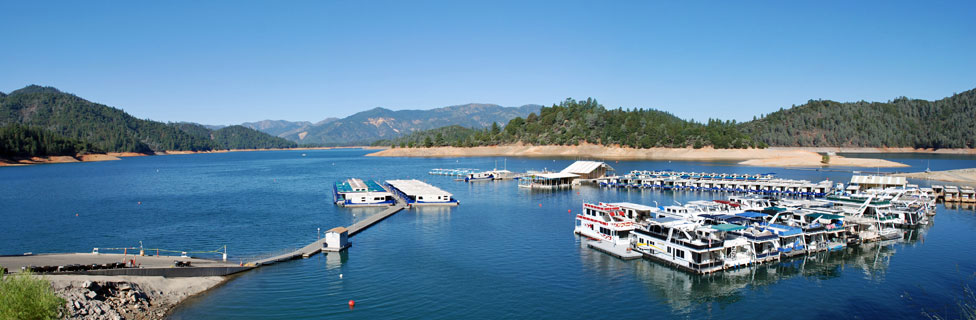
585	167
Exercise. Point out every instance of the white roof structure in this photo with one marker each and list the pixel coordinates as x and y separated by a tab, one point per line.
880	180
584	167
634	206
415	187
557	175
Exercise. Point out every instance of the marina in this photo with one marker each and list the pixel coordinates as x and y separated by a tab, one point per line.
530	227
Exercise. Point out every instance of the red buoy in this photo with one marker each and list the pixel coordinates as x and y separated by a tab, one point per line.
569	211
540	205
352	304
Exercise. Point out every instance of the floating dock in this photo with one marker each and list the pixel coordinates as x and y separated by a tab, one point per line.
419	193
621	252
718	182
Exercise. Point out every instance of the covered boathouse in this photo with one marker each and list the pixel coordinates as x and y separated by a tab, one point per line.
589	169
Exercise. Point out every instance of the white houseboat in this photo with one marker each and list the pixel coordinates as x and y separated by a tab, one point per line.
605	222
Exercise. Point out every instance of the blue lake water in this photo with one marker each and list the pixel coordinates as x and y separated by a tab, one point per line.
499	254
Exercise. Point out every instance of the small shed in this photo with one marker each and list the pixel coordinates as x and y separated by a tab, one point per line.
588	169
336	239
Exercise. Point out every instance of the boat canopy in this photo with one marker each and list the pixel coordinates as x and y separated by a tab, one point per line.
819	215
751	214
728	227
777	209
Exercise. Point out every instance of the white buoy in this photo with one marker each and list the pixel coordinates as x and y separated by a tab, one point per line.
340	276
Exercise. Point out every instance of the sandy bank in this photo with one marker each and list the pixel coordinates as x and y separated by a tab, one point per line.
878	150
126	297
966	176
753	157
57	159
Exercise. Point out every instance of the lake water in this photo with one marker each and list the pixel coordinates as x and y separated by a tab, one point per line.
505	252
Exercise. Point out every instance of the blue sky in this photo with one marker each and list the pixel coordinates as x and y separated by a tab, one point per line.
229	62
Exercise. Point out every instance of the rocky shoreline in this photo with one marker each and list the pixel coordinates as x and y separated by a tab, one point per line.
125	297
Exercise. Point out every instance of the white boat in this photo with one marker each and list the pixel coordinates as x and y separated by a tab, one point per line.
604	222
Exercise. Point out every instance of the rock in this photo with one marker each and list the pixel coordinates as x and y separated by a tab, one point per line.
98	310
91	294
125	287
77	305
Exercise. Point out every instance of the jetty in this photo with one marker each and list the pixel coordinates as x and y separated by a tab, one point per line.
320	244
96	263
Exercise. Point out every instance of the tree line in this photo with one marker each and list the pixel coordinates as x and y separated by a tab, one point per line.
902	122
48	112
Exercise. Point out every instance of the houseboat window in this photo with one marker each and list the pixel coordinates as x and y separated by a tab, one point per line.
363	199
669	249
623	234
679	253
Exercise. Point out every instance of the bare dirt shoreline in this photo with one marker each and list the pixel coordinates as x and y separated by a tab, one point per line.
774	156
770	157
126	297
967	176
91	157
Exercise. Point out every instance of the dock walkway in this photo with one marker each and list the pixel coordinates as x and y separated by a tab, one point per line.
316	247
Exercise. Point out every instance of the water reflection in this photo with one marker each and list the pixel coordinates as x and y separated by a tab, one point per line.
684	291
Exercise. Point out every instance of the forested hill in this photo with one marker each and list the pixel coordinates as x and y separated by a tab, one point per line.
903	122
48	112
572	122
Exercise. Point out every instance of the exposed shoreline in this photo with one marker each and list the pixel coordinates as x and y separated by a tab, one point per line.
769	157
126	297
111	156
967	176
773	156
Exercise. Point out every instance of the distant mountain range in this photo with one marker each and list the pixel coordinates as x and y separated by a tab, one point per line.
369	126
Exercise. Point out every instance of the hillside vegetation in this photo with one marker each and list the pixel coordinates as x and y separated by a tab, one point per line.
572	122
944	123
903	122
56	119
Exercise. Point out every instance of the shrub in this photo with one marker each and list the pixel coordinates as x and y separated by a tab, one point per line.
26	296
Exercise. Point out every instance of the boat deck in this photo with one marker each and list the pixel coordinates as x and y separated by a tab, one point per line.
621	252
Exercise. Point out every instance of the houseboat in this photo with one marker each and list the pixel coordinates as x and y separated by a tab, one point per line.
605	222
358	193
690	246
419	193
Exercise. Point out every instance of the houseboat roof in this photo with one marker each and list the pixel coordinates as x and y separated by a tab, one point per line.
415	187
633	206
882	180
556	175
585	167
353	184
668	221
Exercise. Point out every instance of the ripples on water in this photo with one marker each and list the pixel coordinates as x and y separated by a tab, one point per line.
497	255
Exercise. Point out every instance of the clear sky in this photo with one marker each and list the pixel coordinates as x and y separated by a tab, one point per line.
228	62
